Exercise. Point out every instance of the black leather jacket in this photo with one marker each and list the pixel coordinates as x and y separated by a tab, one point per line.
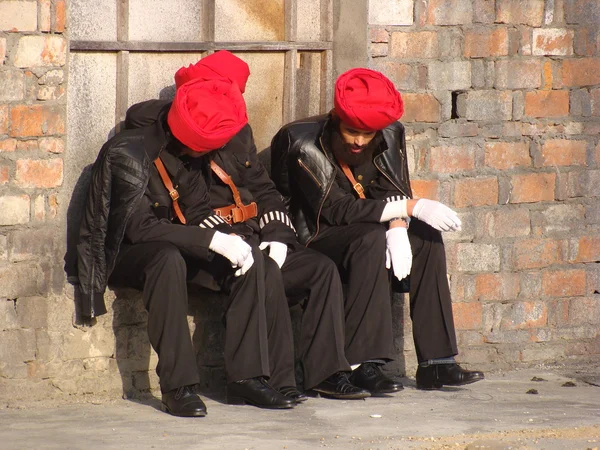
303	169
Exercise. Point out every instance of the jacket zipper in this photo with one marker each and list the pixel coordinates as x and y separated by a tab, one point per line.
324	197
305	167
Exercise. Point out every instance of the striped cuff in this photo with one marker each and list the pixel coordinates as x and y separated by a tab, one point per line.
395	198
275	215
212	221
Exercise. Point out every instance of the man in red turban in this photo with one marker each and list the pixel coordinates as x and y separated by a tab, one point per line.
345	175
221	64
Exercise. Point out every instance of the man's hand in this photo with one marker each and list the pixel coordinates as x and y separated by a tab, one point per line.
235	249
398	252
277	251
436	214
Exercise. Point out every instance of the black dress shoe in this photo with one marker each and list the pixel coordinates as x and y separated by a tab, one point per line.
183	402
437	375
370	377
338	386
257	392
293	393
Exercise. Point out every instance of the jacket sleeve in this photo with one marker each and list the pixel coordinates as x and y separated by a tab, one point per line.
274	221
144	113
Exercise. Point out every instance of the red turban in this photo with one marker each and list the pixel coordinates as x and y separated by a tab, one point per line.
221	64
206	114
367	100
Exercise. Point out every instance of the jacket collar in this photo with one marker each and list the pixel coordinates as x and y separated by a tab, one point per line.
157	134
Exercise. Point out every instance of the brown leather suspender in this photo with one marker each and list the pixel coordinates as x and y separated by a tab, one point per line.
164	176
233	213
355	184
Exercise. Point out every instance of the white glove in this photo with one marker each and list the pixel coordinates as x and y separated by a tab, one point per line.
394	210
245	266
232	247
398	252
277	251
436	214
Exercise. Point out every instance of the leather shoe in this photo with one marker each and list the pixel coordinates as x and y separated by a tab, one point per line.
370	377
293	393
338	386
183	402
256	391
437	375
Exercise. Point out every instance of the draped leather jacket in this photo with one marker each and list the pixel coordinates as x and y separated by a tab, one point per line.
304	171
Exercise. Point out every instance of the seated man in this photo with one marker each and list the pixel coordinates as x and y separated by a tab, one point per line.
346	177
237	180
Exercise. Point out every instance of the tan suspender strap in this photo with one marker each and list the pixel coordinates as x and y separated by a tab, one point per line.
228	181
164	176
355	184
239	213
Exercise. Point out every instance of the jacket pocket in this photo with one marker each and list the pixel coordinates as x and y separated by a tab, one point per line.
310	172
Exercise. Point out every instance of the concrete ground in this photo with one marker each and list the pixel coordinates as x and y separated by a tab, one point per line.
500	412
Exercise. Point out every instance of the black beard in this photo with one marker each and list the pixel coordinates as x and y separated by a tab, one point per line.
343	151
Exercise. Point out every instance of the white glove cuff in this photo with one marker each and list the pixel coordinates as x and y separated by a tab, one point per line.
394	210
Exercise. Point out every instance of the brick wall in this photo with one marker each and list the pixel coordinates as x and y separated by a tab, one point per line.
503	121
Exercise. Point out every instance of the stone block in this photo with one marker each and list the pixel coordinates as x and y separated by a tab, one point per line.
543	352
8	315
534	187
541	104
481	191
467	316
507	155
45	23
18	16
584	184
454	129
552	42
563	152
12	82
36	120
580	103
15	209
391	12
536	253
452	76
580	72
420	44
420	108
425	188
31	244
508	222
32	312
524	315
559	218
2	50
526	12
41	51
451	43
60	16
485	43
518	74
4	179
484	11
451	159
52	145
582	12
53	77
3	119
39	173
253	20
404	76
564	283
19	280
449	12
378	50
486	105
585	249
496	286
379	35
478	257
45	93
18	347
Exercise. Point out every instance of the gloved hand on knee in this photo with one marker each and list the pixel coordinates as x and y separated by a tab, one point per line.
398	252
235	249
277	251
436	214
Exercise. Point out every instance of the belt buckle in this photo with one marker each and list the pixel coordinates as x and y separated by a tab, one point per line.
174	195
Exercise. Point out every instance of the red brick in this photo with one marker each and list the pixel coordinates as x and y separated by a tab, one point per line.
535	187
451	159
4	175
421	108
547	103
485	43
28	146
378	50
420	44
36	120
581	72
507	155
53	205
564	283
547	76
3	119
527	12
597	154
536	253
595	100
60	16
488	286
379	35
425	189
564	152
525	315
476	192
39	173
508	222
467	316
45	15
52	145
45	50
8	145
588	249
552	41
449	12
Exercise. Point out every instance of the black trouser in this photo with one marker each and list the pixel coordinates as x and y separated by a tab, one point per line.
258	339
359	252
312	278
